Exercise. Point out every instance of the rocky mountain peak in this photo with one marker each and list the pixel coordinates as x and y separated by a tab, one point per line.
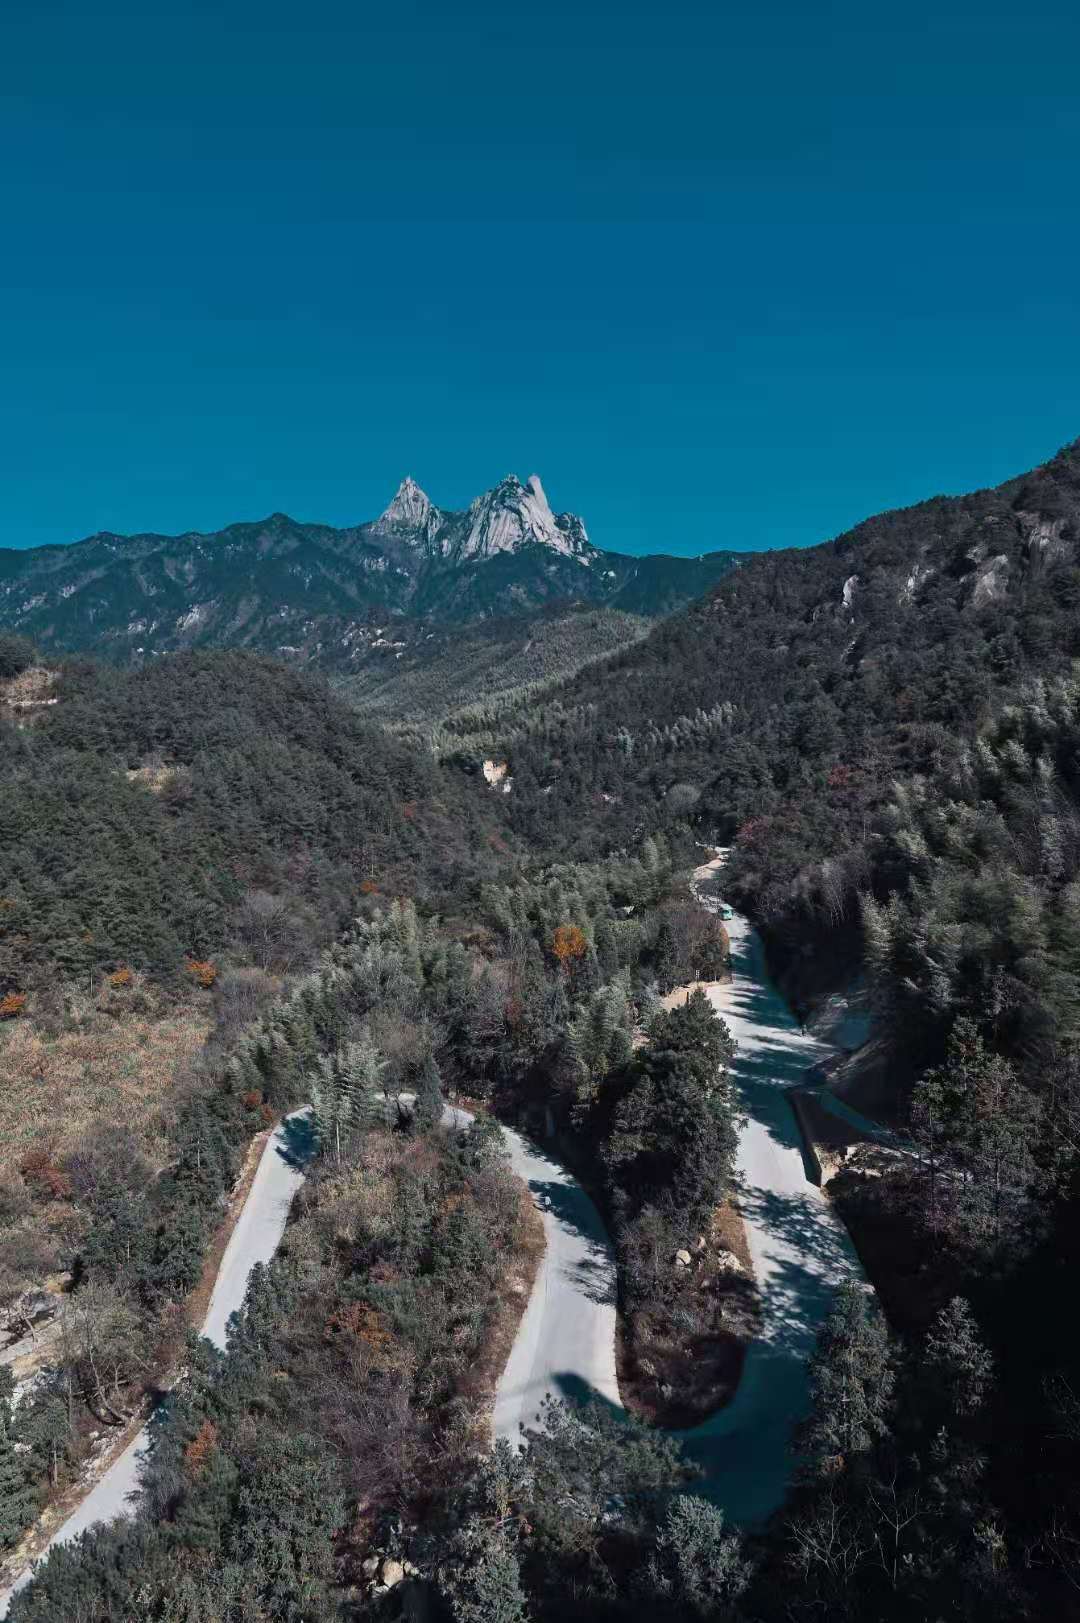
516	515
411	509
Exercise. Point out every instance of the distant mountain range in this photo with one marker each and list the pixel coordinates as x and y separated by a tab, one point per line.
334	597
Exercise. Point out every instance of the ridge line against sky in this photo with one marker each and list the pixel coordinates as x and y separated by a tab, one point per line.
726	279
348	523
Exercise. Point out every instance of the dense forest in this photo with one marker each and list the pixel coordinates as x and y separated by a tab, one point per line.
210	802
366	1344
190	836
886	731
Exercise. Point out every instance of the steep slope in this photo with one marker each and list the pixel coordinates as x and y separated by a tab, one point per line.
332	597
509	660
785	706
805	680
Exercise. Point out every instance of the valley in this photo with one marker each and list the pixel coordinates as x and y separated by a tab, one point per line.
539	1016
239	886
565	1345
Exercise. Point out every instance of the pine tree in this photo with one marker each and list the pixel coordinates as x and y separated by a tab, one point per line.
45	1427
978	1127
698	1568
851	1385
428	1107
958	1367
18	1501
666	956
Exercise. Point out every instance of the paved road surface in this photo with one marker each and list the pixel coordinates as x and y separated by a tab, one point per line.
565	1343
254	1239
799	1248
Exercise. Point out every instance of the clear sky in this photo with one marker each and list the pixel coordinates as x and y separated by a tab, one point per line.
723	275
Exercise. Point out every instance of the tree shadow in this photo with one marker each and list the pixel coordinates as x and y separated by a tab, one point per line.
594	1273
576	1391
296	1141
744	1453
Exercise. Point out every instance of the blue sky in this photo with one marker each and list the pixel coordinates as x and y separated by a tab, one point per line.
723	276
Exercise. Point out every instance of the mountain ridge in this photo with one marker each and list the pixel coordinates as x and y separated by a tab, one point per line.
324	594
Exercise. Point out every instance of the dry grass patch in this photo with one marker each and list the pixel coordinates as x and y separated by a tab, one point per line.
108	1069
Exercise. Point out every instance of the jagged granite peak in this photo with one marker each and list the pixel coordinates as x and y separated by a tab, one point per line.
411	511
516	515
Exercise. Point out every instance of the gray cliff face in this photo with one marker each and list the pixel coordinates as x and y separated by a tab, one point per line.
411	513
505	519
514	515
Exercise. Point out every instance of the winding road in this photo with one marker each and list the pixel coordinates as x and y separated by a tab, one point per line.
254	1239
800	1251
565	1344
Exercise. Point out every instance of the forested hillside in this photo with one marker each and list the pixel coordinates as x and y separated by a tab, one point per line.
780	710
366	1348
179	845
509	662
338	599
886	729
181	810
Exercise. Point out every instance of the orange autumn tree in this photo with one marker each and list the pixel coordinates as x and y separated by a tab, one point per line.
202	971
200	1448
569	943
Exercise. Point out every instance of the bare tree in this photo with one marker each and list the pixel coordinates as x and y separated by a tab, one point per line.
103	1348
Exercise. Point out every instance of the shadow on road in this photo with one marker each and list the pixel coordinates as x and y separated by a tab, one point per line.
574	1390
574	1212
296	1140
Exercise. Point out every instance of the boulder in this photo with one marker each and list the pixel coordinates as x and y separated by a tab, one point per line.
728	1263
392	1572
682	1259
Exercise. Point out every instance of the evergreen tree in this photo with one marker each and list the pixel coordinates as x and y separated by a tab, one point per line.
957	1367
44	1425
852	1376
343	1095
978	1128
18	1501
666	960
288	1509
698	1568
428	1106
